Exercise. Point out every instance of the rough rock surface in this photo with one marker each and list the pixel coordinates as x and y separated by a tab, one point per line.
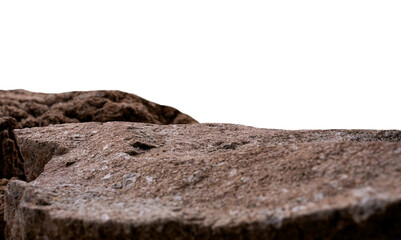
122	180
3	183
20	109
11	162
39	109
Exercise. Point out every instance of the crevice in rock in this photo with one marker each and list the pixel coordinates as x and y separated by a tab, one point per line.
37	154
11	160
143	146
22	175
139	148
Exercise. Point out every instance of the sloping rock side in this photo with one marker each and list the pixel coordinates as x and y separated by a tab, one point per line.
32	109
122	180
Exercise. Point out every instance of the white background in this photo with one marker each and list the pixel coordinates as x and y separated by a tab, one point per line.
272	64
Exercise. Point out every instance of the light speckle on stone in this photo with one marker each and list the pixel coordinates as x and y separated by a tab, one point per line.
318	196
149	179
233	172
105	217
107	176
129	179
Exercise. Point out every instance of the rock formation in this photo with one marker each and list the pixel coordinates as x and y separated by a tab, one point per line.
31	109
121	180
21	109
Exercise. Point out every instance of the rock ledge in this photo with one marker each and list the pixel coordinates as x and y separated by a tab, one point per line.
122	180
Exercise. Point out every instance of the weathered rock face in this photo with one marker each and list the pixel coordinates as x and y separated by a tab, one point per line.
124	180
39	109
3	183
11	162
21	109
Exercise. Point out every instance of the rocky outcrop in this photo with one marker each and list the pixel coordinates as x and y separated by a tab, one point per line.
21	109
122	180
31	109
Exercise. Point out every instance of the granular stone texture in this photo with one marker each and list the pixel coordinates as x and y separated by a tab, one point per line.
123	180
39	109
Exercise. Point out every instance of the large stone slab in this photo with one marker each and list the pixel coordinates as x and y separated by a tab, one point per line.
122	180
32	109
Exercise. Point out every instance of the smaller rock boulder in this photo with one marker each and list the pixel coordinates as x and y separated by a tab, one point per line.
32	109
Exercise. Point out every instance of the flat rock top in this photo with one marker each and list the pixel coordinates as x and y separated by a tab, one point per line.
213	176
32	109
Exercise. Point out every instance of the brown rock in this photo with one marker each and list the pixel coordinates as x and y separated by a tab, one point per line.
124	180
20	109
3	183
11	162
38	109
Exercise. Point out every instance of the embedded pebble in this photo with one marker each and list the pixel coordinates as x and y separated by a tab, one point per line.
107	176
129	179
